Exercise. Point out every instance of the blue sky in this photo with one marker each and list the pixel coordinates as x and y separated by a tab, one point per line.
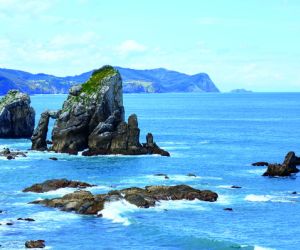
240	44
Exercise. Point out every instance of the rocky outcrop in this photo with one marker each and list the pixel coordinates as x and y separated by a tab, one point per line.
84	202
288	167
6	152
39	137
50	185
35	244
16	116
93	119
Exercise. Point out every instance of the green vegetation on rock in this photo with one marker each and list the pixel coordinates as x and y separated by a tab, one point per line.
8	98
95	80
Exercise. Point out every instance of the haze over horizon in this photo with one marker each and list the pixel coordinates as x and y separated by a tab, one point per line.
240	44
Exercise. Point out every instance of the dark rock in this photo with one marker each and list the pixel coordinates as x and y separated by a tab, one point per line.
53	158
228	209
49	142
164	175
16	115
26	219
294	192
11	154
39	137
9	223
191	175
287	168
35	244
1	211
84	202
9	157
56	184
93	119
260	163
235	186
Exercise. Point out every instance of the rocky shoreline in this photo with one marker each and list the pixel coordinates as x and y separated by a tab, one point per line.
84	202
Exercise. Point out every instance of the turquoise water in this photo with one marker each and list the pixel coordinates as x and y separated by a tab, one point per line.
215	136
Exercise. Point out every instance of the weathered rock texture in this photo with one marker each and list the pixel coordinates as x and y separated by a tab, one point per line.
288	167
92	119
50	185
39	137
84	202
16	116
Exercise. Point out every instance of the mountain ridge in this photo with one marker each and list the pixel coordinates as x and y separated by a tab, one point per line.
157	80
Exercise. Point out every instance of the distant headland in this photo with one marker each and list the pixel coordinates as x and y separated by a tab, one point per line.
134	81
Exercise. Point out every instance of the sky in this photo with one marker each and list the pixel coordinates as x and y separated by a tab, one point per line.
251	44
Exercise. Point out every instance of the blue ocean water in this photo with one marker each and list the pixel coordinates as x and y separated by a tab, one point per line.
215	136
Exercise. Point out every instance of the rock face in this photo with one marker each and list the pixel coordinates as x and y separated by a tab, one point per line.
39	137
287	168
16	116
84	202
50	185
93	119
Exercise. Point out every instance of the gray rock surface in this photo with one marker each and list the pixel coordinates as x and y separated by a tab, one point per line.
93	119
16	116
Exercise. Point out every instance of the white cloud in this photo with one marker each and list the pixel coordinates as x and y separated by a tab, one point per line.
130	46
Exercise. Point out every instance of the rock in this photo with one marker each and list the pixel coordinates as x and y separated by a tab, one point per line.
16	115
9	223
39	137
93	119
235	186
26	219
35	244
84	202
294	192
228	209
260	163
164	175
53	158
10	155
55	184
191	175
287	168
49	142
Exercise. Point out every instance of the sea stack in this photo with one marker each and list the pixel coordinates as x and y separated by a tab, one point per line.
92	120
16	115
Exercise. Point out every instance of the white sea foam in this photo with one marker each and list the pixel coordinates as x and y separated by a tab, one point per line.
258	171
47	216
116	210
263	248
179	205
225	186
224	199
266	198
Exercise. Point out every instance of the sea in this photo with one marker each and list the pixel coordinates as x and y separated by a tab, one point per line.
215	136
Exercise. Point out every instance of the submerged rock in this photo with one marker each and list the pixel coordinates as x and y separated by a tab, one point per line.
287	168
16	115
93	119
35	244
260	164
54	184
84	202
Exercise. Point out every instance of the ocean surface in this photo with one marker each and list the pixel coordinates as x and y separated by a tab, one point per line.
215	136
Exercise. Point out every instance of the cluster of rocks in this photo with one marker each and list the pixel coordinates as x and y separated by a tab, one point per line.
35	244
55	184
16	115
93	119
84	202
10	155
288	167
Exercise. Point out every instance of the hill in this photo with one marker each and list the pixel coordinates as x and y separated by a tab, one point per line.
134	81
